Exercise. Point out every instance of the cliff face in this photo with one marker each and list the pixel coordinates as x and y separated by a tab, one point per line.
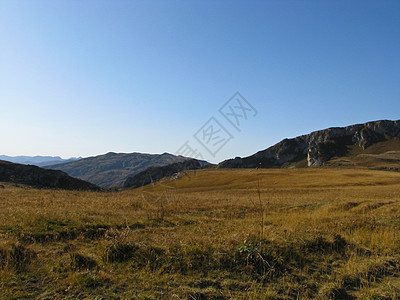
320	146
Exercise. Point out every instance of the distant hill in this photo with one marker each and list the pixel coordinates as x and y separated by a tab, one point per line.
41	178
112	169
39	161
153	174
373	145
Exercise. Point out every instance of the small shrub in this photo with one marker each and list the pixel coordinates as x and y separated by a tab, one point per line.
339	243
20	256
17	257
334	291
94	232
176	260
200	259
321	245
150	257
205	283
119	252
80	262
90	281
117	236
317	245
350	205
3	258
260	260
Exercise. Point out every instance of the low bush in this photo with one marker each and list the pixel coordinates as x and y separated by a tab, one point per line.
16	257
149	257
79	262
261	260
119	252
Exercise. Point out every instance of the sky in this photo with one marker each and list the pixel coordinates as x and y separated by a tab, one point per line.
87	77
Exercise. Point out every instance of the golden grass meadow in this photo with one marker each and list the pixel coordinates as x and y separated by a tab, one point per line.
211	234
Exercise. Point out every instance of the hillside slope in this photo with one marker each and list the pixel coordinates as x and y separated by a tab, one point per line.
153	174
320	147
112	169
41	178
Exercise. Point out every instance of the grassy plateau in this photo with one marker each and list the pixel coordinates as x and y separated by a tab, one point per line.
210	234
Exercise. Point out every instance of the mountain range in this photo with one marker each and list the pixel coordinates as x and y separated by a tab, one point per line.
373	145
112	169
39	161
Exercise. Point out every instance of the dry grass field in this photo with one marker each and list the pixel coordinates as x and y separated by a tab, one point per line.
211	234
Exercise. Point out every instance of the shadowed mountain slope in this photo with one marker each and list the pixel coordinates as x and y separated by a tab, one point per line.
41	178
153	174
112	169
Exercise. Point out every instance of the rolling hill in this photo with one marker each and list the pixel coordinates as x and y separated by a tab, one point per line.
112	169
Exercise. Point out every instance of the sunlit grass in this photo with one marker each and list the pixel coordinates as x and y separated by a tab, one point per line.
326	233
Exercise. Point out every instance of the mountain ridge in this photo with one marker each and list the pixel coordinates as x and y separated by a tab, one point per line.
37	160
318	147
112	169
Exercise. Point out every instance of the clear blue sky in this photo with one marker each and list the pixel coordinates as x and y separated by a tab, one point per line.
81	78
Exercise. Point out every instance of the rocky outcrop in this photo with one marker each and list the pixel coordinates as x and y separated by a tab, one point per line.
320	146
42	178
153	174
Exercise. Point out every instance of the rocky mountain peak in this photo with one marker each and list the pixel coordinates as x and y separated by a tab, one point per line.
319	146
